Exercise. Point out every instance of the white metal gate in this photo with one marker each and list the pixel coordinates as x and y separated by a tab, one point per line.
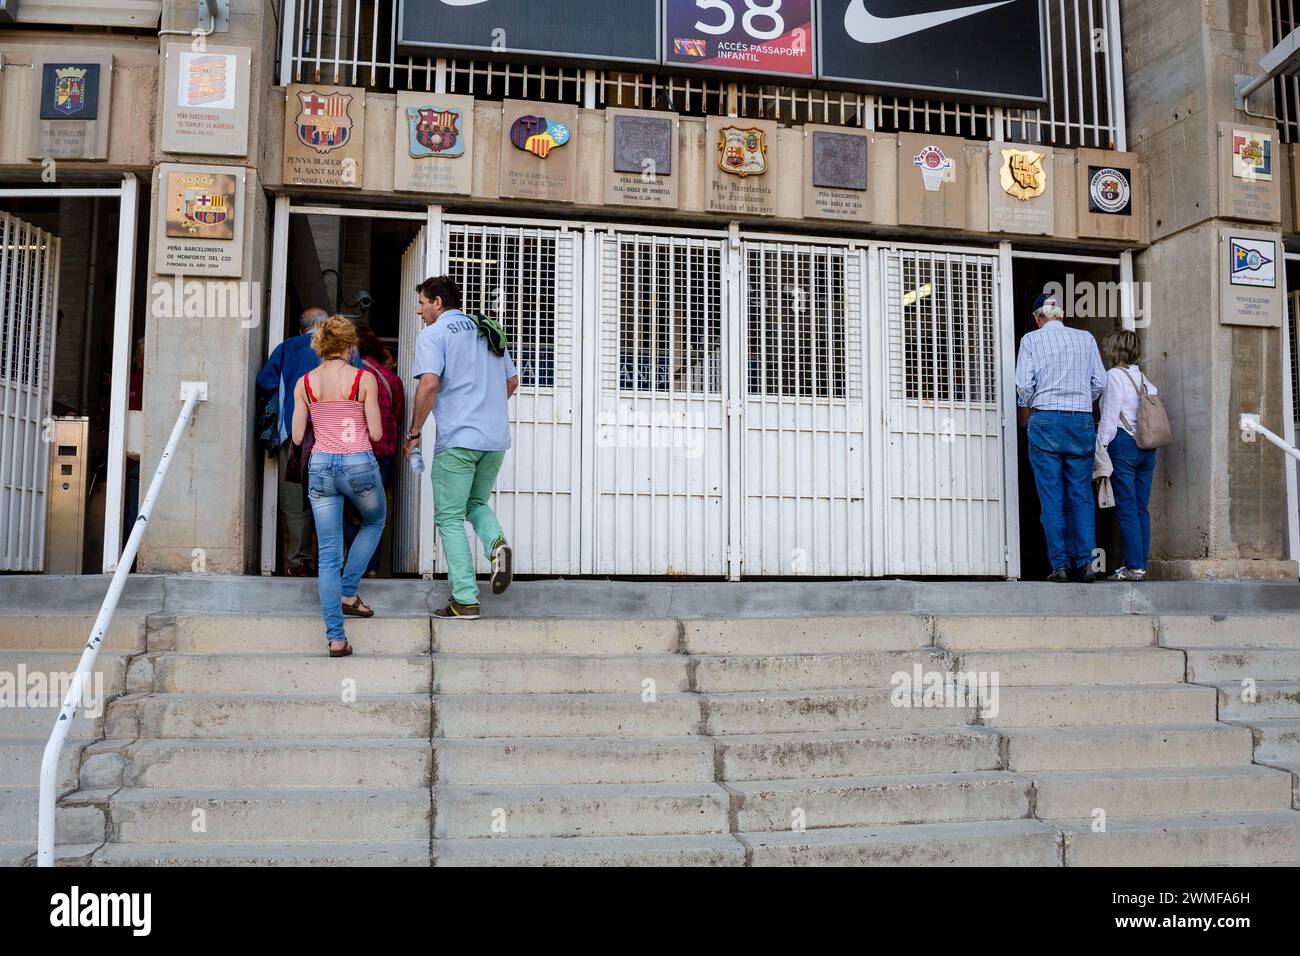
944	477
29	283
405	515
528	277
659	455
804	446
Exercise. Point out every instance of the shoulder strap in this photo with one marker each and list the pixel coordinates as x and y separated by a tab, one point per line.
383	380
306	380
356	385
1142	392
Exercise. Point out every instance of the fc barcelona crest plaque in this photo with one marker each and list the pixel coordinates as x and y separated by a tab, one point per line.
1022	195
70	119
434	143
742	151
200	220
324	127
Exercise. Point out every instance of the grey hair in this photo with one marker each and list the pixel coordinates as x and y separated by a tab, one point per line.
310	317
1051	310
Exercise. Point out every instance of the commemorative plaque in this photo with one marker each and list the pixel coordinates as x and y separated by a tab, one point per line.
640	158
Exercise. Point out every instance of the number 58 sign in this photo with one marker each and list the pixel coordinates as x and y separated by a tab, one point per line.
773	37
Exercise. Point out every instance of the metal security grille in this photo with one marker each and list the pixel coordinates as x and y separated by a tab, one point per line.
659	465
946	339
670	316
528	277
1285	18
29	277
804	467
798	338
944	474
511	273
354	42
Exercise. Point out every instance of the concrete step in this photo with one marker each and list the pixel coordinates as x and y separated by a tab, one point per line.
1273	700
1075	795
1037	668
1244	630
146	815
49	674
559	674
1270	836
855	753
317	673
816	635
646	809
766	805
792	672
15	854
567	715
543	636
984	843
1032	632
1279	741
299	634
26	722
812	711
258	716
73	824
692	850
573	760
1121	747
1213	665
360	853
284	762
1091	705
20	761
52	631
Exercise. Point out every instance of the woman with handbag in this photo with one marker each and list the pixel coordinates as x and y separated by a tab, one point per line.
1133	426
339	405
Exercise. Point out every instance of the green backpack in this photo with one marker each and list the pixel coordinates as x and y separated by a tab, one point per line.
490	329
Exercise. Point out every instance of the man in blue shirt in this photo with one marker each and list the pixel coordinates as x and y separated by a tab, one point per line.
1059	375
467	388
291	360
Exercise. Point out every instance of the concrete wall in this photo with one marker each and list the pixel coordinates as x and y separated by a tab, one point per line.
1218	506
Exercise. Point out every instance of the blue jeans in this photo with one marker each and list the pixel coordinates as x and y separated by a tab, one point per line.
350	530
330	479
1062	446
1131	482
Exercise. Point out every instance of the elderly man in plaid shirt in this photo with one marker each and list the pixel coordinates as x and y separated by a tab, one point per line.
1059	375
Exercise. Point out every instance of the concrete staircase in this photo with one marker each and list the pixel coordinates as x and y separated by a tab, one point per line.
737	738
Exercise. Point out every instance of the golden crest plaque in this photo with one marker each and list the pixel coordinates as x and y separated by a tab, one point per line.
1023	174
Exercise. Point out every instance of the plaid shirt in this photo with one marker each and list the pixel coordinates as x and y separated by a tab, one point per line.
1059	369
392	408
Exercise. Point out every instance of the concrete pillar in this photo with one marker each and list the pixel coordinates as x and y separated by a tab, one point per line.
1218	507
208	517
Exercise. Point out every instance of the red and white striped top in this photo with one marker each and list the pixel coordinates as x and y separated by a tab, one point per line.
340	426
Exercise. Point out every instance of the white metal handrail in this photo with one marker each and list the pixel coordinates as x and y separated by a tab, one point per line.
192	393
1250	427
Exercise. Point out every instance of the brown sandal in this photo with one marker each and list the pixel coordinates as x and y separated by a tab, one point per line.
360	609
344	651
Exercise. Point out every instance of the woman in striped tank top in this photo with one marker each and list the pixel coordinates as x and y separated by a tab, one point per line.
343	403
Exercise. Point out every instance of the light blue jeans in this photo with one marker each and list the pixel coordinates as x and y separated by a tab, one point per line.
330	479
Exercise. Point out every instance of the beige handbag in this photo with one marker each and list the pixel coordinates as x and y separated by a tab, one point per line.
1153	429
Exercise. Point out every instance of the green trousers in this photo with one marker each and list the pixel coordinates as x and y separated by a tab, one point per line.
462	484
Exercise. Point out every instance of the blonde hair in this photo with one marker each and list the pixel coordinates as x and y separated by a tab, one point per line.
334	337
1121	347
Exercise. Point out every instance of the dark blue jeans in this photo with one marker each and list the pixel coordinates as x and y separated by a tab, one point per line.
1131	482
1062	446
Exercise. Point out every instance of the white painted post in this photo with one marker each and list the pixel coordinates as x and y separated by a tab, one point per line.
123	310
1007	395
274	336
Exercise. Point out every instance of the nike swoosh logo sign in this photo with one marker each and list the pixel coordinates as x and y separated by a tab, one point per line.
462	3
865	27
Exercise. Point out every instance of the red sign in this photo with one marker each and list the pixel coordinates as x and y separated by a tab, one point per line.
765	37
